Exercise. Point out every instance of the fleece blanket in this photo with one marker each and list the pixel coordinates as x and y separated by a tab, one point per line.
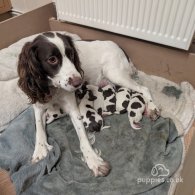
142	161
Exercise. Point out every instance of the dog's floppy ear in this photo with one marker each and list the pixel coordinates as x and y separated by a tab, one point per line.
32	79
71	52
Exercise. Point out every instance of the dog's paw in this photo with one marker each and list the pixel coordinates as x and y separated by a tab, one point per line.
41	152
98	165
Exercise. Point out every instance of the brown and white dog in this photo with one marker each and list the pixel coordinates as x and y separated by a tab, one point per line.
51	68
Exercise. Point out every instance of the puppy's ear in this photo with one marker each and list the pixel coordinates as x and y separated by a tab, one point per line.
32	79
71	52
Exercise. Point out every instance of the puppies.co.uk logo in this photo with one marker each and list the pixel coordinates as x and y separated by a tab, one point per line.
159	170
159	174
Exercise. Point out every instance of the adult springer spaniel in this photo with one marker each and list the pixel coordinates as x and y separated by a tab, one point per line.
52	67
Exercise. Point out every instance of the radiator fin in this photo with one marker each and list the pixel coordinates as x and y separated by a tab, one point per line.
168	22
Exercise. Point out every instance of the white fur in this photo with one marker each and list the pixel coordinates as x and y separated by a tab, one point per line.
41	145
83	109
106	60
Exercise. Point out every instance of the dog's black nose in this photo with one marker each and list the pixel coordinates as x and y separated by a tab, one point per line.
75	81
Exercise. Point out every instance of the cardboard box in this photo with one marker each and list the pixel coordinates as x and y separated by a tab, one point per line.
5	6
173	64
27	24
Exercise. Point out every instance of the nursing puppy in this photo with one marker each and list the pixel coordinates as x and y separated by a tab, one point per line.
93	104
91	119
105	99
96	102
54	112
133	103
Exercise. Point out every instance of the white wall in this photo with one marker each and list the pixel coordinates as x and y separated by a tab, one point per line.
28	5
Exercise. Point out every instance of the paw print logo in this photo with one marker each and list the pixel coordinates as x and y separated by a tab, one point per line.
159	170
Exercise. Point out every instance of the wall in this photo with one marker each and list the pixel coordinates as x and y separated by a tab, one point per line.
28	5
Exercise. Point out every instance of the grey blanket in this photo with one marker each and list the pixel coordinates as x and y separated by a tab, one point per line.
135	157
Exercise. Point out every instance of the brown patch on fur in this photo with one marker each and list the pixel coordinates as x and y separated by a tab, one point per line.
32	79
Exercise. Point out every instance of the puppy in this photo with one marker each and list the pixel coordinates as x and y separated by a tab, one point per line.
92	121
54	112
131	102
100	101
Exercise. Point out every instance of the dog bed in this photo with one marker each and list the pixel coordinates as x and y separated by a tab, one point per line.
142	161
133	154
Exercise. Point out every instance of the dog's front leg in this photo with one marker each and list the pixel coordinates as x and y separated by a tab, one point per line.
41	145
94	162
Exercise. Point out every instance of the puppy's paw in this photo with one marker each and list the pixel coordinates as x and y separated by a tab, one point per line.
154	114
136	126
41	151
153	111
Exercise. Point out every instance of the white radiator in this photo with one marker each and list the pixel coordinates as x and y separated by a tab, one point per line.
168	22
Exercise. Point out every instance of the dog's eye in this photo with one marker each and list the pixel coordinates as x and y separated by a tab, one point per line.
53	60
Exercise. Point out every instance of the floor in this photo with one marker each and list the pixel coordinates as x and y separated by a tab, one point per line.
6	187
